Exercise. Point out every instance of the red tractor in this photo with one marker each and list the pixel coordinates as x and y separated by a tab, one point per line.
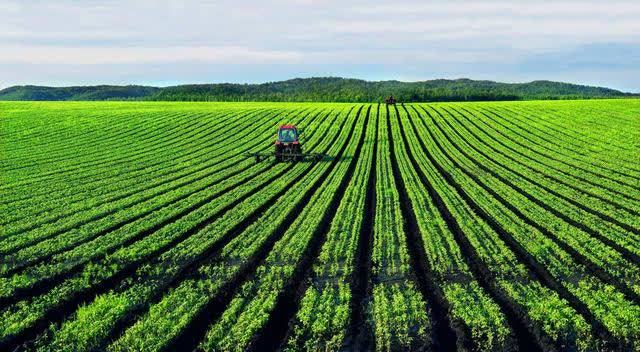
390	100
287	147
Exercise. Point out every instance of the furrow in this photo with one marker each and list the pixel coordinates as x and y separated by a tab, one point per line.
524	336
189	337
624	184
122	271
359	331
629	255
272	336
448	334
580	258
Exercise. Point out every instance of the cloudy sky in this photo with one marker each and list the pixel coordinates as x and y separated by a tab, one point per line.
78	42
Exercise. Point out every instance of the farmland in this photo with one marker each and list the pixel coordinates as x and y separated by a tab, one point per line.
129	226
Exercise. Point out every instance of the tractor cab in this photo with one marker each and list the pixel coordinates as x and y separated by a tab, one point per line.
287	134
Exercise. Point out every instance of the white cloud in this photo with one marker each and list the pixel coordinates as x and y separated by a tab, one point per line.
9	7
133	55
442	37
290	24
56	36
508	8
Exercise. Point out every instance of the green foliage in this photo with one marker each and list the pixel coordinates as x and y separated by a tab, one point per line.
323	89
123	223
77	93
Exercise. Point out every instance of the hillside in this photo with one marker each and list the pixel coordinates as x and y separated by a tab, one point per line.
102	92
322	89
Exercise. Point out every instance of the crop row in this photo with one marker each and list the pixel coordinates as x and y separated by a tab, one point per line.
553	264
469	226
133	184
158	233
167	269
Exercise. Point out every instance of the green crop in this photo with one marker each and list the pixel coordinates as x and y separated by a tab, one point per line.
487	226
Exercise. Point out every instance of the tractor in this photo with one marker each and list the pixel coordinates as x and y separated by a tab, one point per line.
390	100
287	147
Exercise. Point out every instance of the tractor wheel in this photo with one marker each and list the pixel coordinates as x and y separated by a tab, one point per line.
277	152
297	151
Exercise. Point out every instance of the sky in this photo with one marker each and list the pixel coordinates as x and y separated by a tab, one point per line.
160	43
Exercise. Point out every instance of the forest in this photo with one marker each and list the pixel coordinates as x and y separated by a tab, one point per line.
322	89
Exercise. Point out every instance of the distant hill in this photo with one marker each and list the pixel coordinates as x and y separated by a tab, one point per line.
77	93
331	89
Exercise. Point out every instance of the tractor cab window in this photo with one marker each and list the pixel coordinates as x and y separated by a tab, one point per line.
287	135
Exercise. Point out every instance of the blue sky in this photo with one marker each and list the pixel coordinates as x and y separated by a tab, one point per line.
74	42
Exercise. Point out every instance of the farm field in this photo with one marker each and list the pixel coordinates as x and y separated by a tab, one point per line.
497	226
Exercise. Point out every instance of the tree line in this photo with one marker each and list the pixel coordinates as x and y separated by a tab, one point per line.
323	89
